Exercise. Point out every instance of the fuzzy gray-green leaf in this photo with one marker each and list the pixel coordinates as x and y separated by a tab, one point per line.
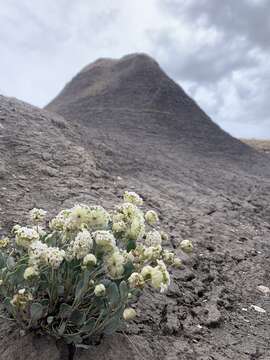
36	311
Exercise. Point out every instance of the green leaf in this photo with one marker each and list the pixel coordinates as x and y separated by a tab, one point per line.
131	245
17	277
44	302
128	269
73	339
62	329
36	311
82	346
79	289
89	325
7	305
124	290
77	317
10	262
2	260
60	290
113	295
113	325
65	311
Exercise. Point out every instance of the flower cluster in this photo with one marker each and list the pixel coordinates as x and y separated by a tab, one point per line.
25	236
76	277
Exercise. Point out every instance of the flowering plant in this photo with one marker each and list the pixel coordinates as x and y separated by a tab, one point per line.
75	278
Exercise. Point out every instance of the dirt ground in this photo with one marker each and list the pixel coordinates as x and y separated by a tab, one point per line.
205	185
261	145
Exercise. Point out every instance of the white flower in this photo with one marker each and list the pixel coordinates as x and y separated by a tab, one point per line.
177	263
82	244
1	282
37	215
153	238
100	290
54	257
164	236
133	198
130	221
146	272
105	240
21	299
26	236
40	230
4	242
152	252
137	228
98	218
186	246
128	256
37	252
129	314
119	226
30	272
160	278
151	217
156	278
89	260
168	257
58	223
40	253
115	265
136	280
77	217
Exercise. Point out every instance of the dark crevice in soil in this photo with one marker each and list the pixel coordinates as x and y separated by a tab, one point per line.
71	351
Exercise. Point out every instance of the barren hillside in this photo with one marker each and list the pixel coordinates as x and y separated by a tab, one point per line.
260	145
123	124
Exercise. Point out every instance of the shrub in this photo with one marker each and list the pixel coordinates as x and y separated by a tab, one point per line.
75	278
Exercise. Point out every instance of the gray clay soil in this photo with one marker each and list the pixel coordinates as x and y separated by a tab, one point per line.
123	124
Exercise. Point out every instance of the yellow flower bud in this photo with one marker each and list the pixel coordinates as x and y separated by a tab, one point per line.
177	263
30	272
129	314
89	260
186	246
100	290
151	217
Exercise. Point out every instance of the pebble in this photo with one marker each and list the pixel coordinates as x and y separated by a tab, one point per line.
258	309
214	316
263	289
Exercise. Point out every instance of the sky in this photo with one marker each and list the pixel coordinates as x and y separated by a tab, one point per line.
217	50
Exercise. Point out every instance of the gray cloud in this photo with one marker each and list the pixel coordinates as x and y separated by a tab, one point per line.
204	62
225	66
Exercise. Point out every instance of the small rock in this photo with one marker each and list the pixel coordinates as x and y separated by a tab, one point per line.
258	309
263	289
214	316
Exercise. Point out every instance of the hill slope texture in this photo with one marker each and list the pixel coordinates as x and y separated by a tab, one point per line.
123	124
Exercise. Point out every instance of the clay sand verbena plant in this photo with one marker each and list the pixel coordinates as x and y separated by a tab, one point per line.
79	277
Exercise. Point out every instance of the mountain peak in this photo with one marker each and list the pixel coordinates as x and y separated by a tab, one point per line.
132	98
134	81
135	59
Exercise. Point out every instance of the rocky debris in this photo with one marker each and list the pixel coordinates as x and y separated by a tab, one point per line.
31	347
119	346
126	125
265	290
40	160
258	309
214	316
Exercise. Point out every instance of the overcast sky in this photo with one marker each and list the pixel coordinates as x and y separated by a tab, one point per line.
217	50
